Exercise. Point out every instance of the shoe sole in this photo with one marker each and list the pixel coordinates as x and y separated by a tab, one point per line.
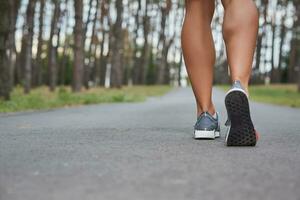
199	134
241	132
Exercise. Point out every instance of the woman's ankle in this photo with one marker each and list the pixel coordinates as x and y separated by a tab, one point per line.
211	109
245	84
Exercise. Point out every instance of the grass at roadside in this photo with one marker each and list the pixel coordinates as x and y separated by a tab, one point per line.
42	98
280	94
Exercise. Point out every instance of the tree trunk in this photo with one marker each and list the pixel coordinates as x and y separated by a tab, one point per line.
86	24
78	47
14	8
179	70
297	43
102	61
292	63
103	58
92	46
64	58
293	68
261	35
136	67
274	71
116	76
298	75
53	43
27	46
6	20
282	35
145	50
166	78
86	70
258	52
141	62
163	46
39	62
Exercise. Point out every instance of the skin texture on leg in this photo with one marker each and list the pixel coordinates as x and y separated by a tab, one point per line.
240	29
198	51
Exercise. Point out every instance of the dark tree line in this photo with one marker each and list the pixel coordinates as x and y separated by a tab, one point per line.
115	43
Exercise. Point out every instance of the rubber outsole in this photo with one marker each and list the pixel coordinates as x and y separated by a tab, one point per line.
241	132
206	134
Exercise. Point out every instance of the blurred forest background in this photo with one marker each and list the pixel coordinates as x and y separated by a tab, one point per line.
112	43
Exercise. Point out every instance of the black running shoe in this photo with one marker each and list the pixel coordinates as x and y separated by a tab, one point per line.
240	130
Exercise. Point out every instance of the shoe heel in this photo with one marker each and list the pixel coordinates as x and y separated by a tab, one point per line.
241	132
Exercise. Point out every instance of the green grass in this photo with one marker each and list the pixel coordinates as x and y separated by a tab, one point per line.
279	94
42	98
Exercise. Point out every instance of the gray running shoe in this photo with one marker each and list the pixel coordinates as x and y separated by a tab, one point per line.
207	127
240	130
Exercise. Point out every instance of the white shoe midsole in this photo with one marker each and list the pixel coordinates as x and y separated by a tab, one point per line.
206	134
227	133
237	89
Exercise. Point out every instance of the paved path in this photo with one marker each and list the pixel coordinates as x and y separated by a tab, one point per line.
145	150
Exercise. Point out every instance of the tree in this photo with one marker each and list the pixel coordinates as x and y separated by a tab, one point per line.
145	50
14	8
116	77
78	47
296	42
262	33
294	45
86	71
64	58
282	32
105	14
92	48
53	45
27	46
164	45
274	70
5	14
38	67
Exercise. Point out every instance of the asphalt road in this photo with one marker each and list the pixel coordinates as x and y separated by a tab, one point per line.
146	151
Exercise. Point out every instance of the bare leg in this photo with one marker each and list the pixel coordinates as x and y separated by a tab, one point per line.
198	51
240	32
